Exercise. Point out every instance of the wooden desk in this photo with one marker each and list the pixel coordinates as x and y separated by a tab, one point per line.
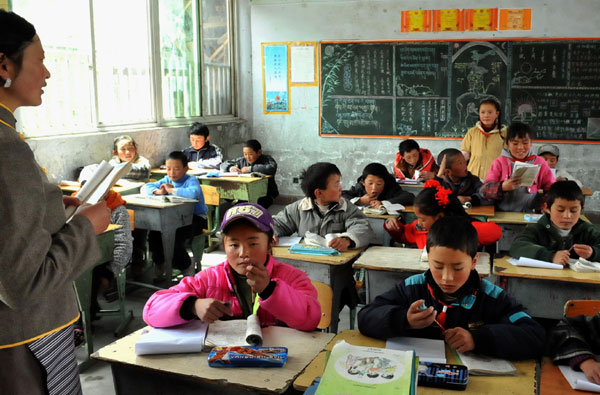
386	266
238	188
545	291
586	191
382	237
482	213
165	217
160	173
83	289
129	189
333	270
523	383
190	373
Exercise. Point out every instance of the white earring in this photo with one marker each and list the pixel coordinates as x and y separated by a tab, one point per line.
8	83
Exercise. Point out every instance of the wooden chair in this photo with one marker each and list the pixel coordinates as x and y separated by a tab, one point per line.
325	296
208	240
581	307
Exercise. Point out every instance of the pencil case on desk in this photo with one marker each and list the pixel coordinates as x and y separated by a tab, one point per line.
313	250
247	356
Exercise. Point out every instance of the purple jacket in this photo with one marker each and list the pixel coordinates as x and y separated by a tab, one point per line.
293	302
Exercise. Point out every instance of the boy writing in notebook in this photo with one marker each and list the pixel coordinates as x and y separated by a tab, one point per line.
450	301
255	161
324	211
560	233
201	154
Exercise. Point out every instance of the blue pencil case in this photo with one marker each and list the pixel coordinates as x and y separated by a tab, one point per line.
247	356
313	250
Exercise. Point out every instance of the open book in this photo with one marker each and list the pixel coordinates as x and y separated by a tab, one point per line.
98	185
481	365
526	172
530	262
577	380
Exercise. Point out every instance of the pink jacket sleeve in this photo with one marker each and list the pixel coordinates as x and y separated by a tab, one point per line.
495	172
294	300
162	309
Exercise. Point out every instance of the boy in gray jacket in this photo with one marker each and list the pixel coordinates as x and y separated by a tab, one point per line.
323	211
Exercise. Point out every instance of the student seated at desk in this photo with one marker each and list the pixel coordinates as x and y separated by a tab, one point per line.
413	162
550	153
201	154
122	252
453	174
324	211
472	314
255	161
560	234
249	275
125	150
575	341
499	185
375	185
178	183
431	204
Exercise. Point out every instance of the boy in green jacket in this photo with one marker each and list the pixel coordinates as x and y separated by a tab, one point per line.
560	234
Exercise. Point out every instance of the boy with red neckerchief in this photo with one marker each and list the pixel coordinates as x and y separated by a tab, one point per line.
450	301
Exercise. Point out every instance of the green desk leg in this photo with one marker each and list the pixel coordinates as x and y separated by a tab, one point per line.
83	289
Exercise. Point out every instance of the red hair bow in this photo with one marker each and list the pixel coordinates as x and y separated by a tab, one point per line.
442	193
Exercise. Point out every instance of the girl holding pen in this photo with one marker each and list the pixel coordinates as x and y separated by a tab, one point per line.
250	274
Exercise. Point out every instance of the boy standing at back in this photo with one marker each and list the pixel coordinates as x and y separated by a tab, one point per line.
453	174
474	314
550	153
178	183
560	234
324	211
255	161
202	154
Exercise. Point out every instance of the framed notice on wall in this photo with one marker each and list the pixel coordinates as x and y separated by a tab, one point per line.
276	90
303	64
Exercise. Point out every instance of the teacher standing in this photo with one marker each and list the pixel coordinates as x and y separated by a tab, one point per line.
40	254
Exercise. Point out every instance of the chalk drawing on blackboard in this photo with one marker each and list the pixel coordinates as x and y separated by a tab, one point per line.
593	129
414	90
527	74
329	75
524	108
478	75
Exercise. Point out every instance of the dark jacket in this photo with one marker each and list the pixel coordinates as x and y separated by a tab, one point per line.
499	325
542	240
265	164
392	193
209	156
574	340
467	186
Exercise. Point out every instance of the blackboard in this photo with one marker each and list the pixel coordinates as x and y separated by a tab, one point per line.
433	88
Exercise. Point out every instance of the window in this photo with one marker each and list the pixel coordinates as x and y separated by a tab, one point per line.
112	66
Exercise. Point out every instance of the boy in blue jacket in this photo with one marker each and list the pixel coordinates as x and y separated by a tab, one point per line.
178	183
473	314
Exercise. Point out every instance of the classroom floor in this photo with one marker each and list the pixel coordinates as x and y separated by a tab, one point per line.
97	379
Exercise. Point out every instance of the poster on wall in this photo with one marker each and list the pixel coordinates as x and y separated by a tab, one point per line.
416	21
481	19
515	19
303	64
448	20
276	91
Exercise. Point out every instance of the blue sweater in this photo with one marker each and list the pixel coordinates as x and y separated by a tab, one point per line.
187	186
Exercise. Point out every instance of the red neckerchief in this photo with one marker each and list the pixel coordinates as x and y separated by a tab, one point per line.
441	317
530	157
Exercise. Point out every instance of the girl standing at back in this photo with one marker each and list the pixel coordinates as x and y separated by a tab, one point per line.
484	142
431	204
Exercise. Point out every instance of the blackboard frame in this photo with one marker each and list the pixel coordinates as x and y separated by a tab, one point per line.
509	85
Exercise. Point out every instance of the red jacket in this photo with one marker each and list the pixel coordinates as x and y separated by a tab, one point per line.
426	163
293	302
488	233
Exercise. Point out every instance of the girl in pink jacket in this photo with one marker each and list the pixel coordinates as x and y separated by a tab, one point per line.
500	185
229	290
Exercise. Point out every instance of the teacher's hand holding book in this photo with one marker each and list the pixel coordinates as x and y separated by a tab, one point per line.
98	214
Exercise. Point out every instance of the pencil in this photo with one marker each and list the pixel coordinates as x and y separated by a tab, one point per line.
440	325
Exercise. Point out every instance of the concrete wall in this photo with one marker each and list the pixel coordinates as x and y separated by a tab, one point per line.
294	140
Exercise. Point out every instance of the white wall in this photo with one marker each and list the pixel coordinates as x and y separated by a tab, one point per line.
294	139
